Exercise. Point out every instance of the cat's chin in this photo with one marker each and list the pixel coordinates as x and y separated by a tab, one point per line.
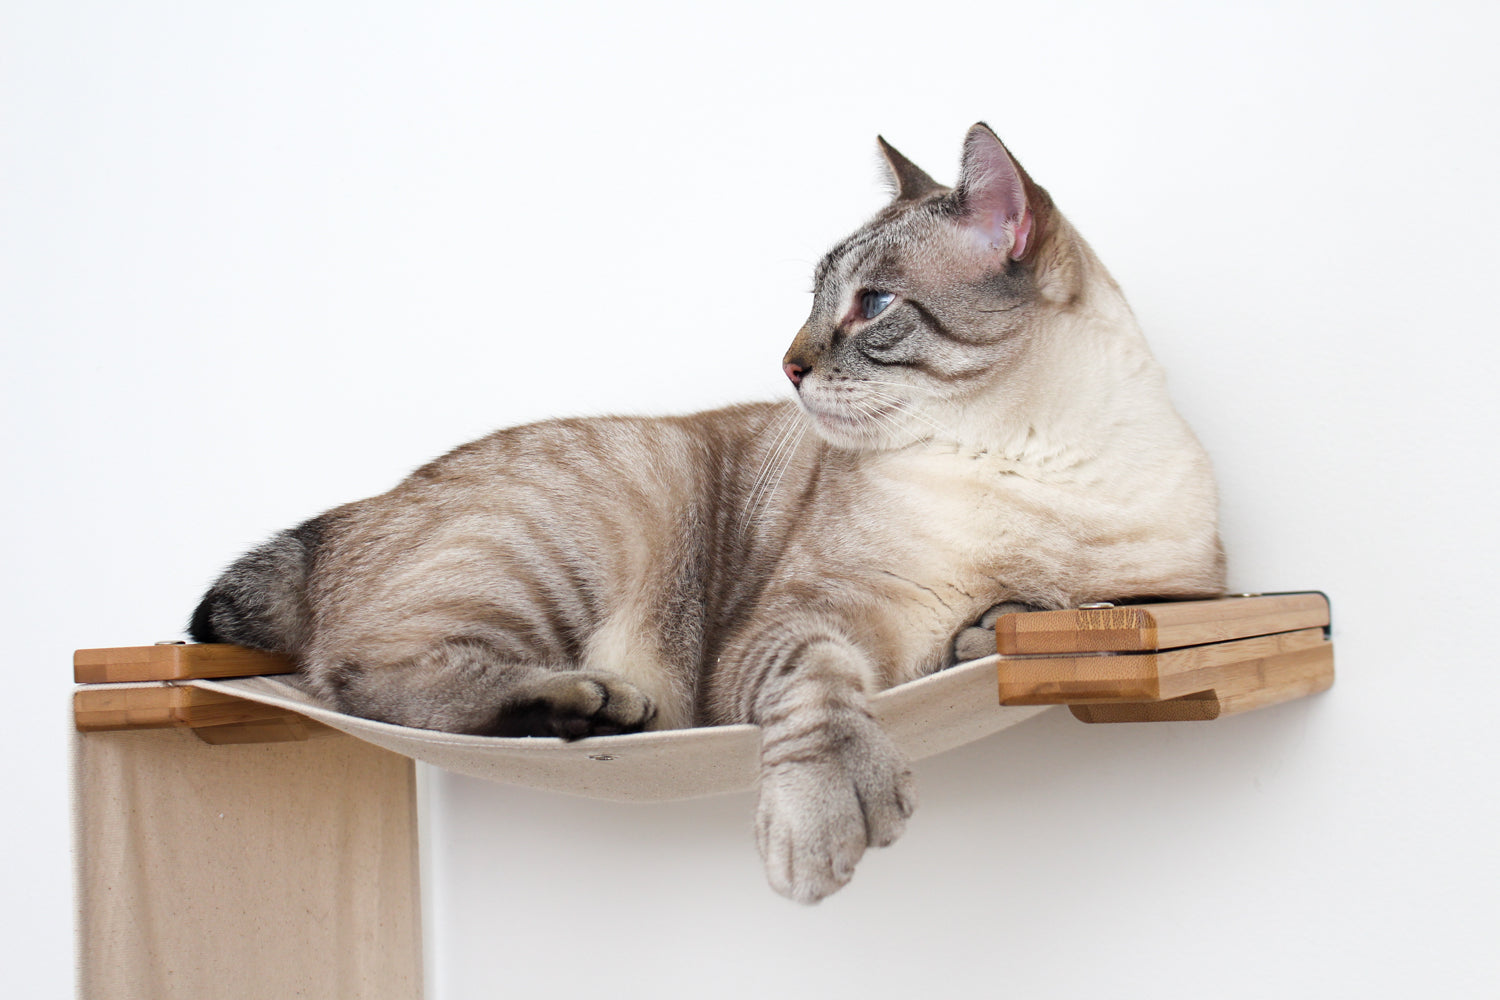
849	432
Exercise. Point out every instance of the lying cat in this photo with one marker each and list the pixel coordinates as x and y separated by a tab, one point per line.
988	427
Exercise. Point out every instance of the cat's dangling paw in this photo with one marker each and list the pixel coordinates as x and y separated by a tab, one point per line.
572	704
818	812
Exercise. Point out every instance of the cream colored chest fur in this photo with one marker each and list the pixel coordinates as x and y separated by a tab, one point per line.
950	531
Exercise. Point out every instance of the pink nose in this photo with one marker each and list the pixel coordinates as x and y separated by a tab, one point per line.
795	373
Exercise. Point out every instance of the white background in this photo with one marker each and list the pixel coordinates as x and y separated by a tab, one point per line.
263	258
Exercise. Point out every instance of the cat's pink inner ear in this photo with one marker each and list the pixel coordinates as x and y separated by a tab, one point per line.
1021	235
993	196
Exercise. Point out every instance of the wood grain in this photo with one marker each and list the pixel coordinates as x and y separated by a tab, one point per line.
1168	625
1149	676
1258	684
174	662
215	717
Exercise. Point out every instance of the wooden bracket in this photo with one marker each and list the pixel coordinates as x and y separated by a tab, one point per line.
1169	662
212	716
174	661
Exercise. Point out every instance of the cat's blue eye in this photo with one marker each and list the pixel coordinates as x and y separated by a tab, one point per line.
872	304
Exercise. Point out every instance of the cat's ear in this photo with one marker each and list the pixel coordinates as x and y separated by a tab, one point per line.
908	181
1000	204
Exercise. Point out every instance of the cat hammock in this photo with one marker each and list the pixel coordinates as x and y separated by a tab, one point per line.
1179	661
191	758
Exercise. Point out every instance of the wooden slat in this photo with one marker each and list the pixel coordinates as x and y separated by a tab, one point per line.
1201	707
1280	678
1168	625
173	662
216	717
1260	683
101	709
1227	665
1133	677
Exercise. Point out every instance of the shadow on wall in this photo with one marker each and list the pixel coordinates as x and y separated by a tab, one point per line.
1050	790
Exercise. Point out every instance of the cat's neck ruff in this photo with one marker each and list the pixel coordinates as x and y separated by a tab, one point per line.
1087	393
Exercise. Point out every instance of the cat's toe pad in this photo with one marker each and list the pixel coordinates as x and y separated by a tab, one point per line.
573	704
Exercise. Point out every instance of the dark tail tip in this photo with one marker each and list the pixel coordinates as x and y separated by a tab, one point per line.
201	628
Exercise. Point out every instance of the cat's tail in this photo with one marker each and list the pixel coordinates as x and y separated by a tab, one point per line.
260	601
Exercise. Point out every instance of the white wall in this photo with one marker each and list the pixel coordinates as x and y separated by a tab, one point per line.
259	259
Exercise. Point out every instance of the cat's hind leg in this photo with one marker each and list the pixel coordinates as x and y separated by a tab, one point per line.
572	704
467	686
979	639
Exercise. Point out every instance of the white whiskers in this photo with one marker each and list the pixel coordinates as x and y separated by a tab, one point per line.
789	430
903	407
900	385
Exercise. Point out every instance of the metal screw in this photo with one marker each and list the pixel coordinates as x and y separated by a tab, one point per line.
602	756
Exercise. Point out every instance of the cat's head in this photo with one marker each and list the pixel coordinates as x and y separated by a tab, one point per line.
928	308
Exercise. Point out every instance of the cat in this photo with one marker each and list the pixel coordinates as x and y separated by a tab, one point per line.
987	427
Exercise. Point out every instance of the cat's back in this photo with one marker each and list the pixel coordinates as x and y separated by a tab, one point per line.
595	461
608	499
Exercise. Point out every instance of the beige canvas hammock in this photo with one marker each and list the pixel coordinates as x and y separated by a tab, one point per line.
215	799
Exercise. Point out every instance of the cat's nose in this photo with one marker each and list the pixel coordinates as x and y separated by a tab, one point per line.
794	372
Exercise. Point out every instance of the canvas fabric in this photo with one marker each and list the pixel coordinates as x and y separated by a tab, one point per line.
925	717
244	872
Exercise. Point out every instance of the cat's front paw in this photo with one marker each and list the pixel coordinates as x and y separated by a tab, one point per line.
572	704
819	812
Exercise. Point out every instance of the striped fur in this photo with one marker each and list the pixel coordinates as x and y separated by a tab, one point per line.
998	433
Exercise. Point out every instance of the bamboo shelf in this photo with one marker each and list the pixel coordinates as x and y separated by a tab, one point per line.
1172	662
1165	662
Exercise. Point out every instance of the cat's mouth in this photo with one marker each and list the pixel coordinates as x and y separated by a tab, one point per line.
849	422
